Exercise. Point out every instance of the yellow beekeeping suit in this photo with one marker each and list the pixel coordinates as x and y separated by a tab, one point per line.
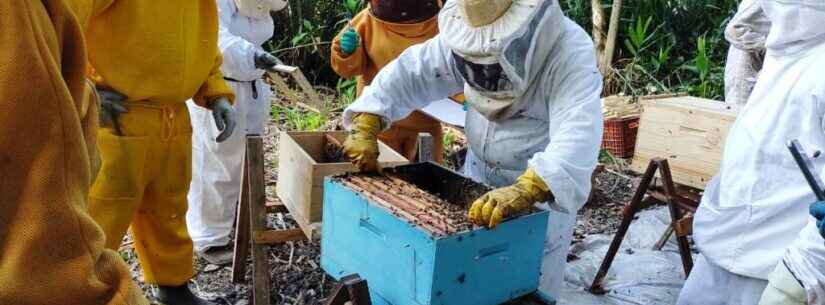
382	42
158	54
51	251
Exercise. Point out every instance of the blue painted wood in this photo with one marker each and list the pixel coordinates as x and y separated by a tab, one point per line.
405	265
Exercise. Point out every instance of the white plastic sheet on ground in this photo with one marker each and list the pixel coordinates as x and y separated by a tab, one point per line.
447	111
639	275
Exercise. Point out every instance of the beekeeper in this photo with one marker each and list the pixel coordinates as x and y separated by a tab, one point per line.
534	124
148	59
746	33
51	251
752	212
796	55
373	39
216	167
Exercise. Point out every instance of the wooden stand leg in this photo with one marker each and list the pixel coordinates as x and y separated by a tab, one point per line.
665	237
257	219
675	215
251	227
629	212
351	290
242	229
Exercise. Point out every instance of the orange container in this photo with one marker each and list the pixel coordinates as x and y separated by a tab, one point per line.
620	136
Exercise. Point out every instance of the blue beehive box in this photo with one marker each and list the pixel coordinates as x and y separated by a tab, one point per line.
407	265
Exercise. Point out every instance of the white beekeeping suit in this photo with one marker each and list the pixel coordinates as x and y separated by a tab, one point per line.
746	33
549	119
798	45
216	167
758	204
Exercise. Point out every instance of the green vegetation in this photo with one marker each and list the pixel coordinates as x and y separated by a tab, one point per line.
304	32
297	119
663	46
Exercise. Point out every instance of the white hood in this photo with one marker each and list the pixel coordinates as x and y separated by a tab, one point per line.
523	52
749	28
260	8
526	52
797	25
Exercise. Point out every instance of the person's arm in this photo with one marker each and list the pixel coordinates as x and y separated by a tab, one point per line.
746	32
741	71
238	53
576	125
422	74
215	86
350	65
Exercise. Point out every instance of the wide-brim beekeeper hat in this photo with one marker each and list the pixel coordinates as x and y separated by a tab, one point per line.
479	28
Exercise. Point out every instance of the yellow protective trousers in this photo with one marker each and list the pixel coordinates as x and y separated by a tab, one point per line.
143	182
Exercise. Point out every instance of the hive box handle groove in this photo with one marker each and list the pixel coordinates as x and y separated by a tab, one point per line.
366	225
494	250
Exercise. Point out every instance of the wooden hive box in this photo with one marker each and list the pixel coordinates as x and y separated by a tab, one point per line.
689	132
405	264
301	172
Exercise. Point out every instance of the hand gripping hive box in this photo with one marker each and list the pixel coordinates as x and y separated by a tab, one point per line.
406	233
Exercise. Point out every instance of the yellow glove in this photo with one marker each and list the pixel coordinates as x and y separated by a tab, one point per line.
497	204
361	145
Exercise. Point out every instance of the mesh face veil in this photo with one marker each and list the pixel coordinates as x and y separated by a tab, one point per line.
484	76
404	11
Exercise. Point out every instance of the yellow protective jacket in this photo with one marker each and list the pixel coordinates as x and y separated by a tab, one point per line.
381	42
169	67
51	251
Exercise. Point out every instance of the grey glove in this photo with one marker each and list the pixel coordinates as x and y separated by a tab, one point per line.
111	106
265	61
224	115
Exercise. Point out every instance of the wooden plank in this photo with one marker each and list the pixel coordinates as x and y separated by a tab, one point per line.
257	219
311	146
311	230
689	132
242	230
301	176
300	79
270	237
295	173
285	69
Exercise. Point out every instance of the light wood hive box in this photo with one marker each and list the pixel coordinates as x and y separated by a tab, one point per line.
301	171
689	132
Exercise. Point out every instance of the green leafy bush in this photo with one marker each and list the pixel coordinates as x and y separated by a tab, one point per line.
658	47
666	45
304	32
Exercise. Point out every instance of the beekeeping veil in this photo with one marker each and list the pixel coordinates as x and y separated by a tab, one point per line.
404	11
796	25
259	8
500	48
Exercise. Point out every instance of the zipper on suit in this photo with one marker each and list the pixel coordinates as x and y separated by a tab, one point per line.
488	131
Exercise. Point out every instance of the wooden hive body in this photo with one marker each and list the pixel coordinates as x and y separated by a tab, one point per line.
405	264
301	172
689	132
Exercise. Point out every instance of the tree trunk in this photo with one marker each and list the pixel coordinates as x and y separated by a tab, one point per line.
612	32
598	32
